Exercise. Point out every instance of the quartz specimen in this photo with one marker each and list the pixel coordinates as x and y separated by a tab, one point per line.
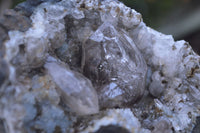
113	62
76	90
127	64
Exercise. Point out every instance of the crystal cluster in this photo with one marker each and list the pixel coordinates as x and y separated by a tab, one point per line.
93	66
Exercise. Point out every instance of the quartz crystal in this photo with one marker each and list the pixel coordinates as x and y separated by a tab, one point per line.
76	90
114	64
92	66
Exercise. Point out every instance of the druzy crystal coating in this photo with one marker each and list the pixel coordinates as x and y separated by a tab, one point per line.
88	65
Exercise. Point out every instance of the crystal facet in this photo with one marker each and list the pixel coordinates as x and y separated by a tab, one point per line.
76	90
114	64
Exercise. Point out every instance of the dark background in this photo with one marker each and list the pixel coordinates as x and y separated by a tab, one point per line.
180	18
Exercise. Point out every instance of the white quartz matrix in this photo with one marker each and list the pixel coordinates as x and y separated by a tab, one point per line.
97	55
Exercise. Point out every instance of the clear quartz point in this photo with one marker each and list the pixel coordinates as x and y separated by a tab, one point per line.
76	90
115	66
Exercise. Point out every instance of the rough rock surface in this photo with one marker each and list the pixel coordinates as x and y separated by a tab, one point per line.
66	65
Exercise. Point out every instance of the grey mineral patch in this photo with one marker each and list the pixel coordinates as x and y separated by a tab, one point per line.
91	57
112	129
196	128
2	126
13	20
4	72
